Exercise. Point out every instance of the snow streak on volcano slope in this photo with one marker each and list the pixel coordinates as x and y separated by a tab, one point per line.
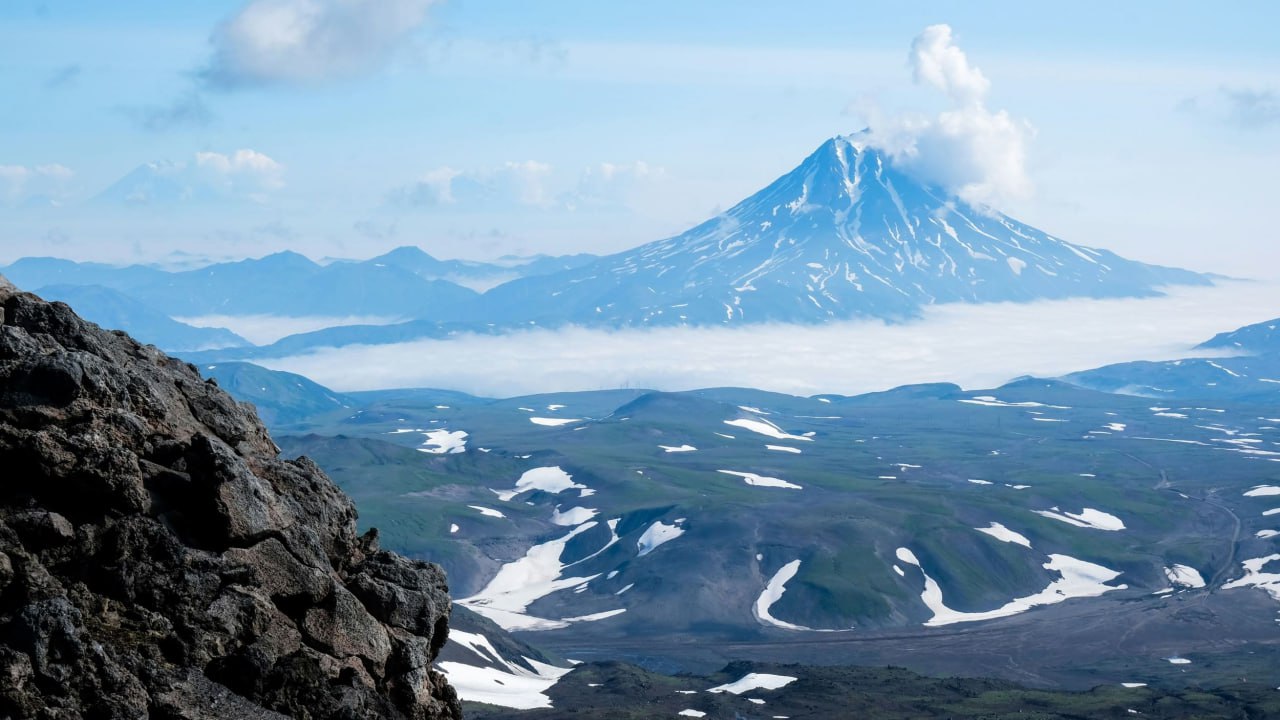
842	235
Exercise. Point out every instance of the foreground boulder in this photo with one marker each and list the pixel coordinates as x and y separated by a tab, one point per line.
159	559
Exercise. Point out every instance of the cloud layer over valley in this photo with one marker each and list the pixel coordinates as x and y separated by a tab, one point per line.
975	346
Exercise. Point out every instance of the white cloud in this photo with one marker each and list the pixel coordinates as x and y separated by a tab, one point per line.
936	60
515	182
310	41
526	181
46	182
978	154
976	346
243	171
613	185
243	174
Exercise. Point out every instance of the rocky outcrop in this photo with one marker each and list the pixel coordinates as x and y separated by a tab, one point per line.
159	559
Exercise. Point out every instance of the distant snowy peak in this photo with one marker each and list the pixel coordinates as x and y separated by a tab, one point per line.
844	234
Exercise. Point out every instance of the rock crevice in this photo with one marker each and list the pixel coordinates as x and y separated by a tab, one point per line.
158	558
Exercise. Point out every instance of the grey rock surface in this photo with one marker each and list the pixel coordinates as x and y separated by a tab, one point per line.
158	558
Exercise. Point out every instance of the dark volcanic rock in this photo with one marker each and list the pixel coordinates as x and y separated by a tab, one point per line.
159	559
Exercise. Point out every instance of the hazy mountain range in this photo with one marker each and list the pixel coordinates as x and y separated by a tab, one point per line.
843	235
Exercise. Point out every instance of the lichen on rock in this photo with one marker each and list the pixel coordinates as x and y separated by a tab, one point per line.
158	558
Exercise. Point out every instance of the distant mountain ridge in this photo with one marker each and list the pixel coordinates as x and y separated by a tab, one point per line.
117	311
1249	373
843	235
1263	337
405	283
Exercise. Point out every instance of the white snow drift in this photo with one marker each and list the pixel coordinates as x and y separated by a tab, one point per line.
1078	579
1184	576
761	481
1004	534
518	584
1086	518
754	681
441	442
552	479
766	428
656	535
772	594
503	682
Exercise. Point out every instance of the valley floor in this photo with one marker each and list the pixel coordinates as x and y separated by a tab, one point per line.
1227	636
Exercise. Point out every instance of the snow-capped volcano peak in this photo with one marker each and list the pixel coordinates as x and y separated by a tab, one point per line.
844	234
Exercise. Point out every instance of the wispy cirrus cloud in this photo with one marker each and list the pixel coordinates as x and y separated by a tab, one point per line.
523	182
186	110
63	76
1242	107
284	42
612	185
530	183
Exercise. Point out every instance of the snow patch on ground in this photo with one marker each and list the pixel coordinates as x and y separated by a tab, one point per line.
505	683
677	448
979	482
518	584
761	481
1086	518
553	422
1077	579
990	401
754	681
783	448
441	442
766	428
487	512
552	479
1184	576
656	535
1178	660
573	516
1263	491
1004	534
772	593
1254	577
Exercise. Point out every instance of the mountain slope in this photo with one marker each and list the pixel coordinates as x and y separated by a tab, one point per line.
1249	378
843	235
36	272
289	284
1263	337
688	513
116	311
283	283
280	397
478	276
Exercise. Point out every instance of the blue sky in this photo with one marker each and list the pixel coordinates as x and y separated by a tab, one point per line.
476	129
